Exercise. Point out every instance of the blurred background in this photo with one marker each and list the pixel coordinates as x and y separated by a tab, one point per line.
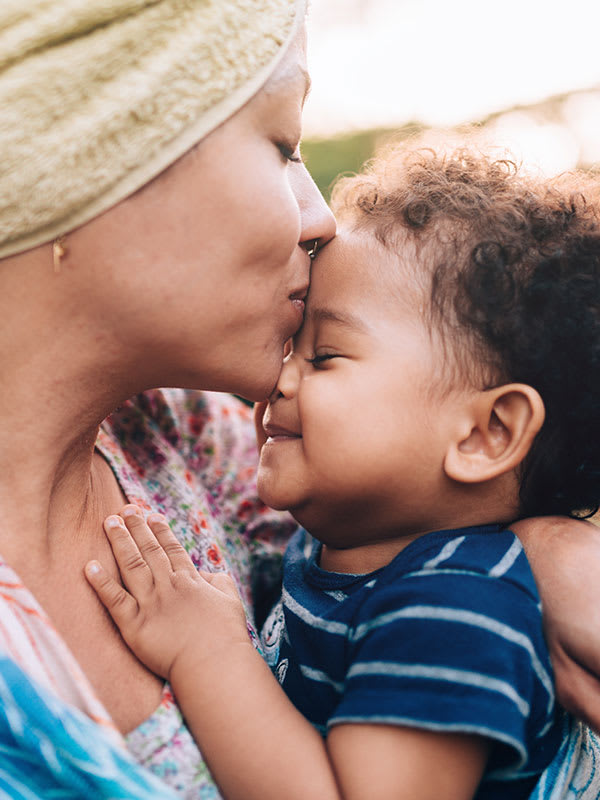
526	73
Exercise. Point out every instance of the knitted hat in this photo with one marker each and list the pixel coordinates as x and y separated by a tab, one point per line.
97	97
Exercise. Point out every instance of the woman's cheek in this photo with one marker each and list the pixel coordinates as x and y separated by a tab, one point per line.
283	215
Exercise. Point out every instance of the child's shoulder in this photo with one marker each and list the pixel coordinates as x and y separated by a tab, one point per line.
468	555
452	630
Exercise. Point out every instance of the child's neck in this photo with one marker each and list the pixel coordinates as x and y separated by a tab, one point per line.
364	558
374	554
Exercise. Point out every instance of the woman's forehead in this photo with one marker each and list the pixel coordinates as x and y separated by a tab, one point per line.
292	70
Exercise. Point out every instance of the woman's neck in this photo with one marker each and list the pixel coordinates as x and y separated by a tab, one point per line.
48	485
60	378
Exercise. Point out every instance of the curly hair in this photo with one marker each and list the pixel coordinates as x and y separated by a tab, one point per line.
512	266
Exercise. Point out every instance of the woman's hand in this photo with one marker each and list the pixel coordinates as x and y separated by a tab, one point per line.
565	558
168	613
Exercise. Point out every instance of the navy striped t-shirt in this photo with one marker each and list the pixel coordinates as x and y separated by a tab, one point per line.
447	637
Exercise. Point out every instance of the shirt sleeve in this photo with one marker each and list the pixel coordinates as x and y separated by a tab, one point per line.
453	652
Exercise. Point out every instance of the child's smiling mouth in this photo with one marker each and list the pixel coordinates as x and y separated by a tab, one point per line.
277	433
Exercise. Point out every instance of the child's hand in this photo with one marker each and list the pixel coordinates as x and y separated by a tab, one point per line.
167	612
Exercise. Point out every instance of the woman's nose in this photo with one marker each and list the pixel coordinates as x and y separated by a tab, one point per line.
318	223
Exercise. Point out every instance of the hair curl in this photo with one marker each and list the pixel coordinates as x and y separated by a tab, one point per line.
513	264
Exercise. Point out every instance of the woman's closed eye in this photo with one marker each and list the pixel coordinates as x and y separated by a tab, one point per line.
290	153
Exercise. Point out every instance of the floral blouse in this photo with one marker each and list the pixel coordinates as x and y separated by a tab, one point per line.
191	456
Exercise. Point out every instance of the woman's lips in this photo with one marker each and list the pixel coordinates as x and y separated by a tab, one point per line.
298	298
298	304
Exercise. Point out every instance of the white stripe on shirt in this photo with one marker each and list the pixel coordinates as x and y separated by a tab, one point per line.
445	553
445	674
464	617
507	560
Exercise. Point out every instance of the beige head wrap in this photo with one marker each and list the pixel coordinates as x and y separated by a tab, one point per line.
97	97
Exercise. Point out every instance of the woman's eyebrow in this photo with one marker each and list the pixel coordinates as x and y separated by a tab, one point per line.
344	318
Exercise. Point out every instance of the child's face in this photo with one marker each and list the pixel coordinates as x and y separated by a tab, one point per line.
356	433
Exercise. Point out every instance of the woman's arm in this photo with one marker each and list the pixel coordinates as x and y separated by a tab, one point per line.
565	558
191	629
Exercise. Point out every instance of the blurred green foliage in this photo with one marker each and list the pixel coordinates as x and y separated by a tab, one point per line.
328	158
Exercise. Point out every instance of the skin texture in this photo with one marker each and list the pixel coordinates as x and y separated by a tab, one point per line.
196	268
571	608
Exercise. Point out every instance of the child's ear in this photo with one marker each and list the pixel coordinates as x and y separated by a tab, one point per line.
495	434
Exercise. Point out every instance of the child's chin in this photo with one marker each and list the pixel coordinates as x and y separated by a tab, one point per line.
277	505
269	497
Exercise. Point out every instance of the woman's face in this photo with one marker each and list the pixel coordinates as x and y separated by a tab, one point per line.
200	276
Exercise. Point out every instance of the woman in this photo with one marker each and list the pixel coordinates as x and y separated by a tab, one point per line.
156	227
196	279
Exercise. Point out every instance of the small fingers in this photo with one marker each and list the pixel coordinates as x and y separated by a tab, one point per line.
118	602
134	570
151	551
178	558
223	582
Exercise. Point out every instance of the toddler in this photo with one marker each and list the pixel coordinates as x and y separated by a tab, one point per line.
444	384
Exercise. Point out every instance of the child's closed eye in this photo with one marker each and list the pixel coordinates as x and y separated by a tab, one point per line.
319	360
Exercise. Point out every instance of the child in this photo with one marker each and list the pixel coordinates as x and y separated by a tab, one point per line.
444	384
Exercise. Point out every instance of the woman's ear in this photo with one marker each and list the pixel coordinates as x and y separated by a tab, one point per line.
497	433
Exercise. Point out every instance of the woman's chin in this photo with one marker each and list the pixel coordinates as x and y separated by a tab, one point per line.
253	390
262	387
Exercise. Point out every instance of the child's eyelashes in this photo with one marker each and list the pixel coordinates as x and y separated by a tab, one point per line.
319	360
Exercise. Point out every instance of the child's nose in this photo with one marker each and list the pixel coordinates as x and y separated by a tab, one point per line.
287	385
